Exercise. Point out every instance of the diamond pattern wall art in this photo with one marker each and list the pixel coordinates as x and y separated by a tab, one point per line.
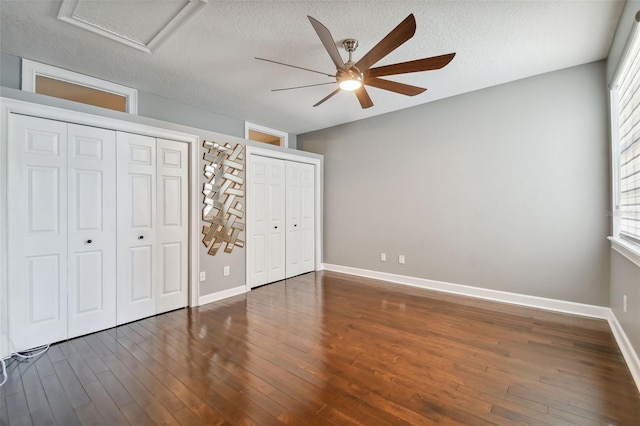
223	212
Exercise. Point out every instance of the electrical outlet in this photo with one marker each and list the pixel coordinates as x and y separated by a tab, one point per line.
226	271
401	259
203	276
383	257
624	303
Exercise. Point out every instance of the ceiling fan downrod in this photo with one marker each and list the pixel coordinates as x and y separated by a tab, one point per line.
350	45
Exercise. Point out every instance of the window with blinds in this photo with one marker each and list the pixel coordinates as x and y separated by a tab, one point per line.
625	103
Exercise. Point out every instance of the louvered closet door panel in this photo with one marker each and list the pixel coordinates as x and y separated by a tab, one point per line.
136	188
92	229
37	231
172	225
267	215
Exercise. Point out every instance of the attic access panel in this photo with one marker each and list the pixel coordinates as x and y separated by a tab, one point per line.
119	20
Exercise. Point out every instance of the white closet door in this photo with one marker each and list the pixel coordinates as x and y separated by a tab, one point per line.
294	220
267	217
136	272
37	231
307	217
300	240
172	225
91	229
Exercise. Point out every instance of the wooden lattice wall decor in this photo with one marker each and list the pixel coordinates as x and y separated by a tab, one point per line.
222	209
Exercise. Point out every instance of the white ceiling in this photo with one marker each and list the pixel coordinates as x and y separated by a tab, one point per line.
209	62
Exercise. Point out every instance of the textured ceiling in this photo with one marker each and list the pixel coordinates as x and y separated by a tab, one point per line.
124	17
209	62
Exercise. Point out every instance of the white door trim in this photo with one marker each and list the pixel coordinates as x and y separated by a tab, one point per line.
317	162
8	106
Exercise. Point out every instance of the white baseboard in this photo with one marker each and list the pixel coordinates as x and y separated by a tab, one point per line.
481	293
219	295
593	311
629	354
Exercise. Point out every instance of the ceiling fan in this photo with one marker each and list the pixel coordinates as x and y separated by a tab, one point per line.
353	76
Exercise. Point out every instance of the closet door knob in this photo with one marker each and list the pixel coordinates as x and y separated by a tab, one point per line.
295	225
89	241
275	227
141	237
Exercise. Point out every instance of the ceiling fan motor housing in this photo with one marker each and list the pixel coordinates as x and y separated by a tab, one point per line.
352	73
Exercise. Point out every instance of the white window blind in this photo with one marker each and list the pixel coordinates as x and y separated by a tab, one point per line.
627	142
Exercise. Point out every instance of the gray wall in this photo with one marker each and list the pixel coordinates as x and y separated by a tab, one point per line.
625	275
504	188
10	71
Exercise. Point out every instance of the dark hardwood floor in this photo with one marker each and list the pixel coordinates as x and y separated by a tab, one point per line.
327	348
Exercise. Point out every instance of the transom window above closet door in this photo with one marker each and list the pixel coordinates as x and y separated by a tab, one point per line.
258	133
52	81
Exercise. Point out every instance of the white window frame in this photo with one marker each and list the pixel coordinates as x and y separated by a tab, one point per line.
31	69
279	133
628	249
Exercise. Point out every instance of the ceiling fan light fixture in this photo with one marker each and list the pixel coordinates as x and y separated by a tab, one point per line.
350	84
349	80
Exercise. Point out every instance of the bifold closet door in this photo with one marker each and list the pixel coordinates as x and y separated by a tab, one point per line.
153	218
136	177
172	225
37	231
300	200
61	232
267	215
91	229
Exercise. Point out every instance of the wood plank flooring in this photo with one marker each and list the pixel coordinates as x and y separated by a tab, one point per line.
326	348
